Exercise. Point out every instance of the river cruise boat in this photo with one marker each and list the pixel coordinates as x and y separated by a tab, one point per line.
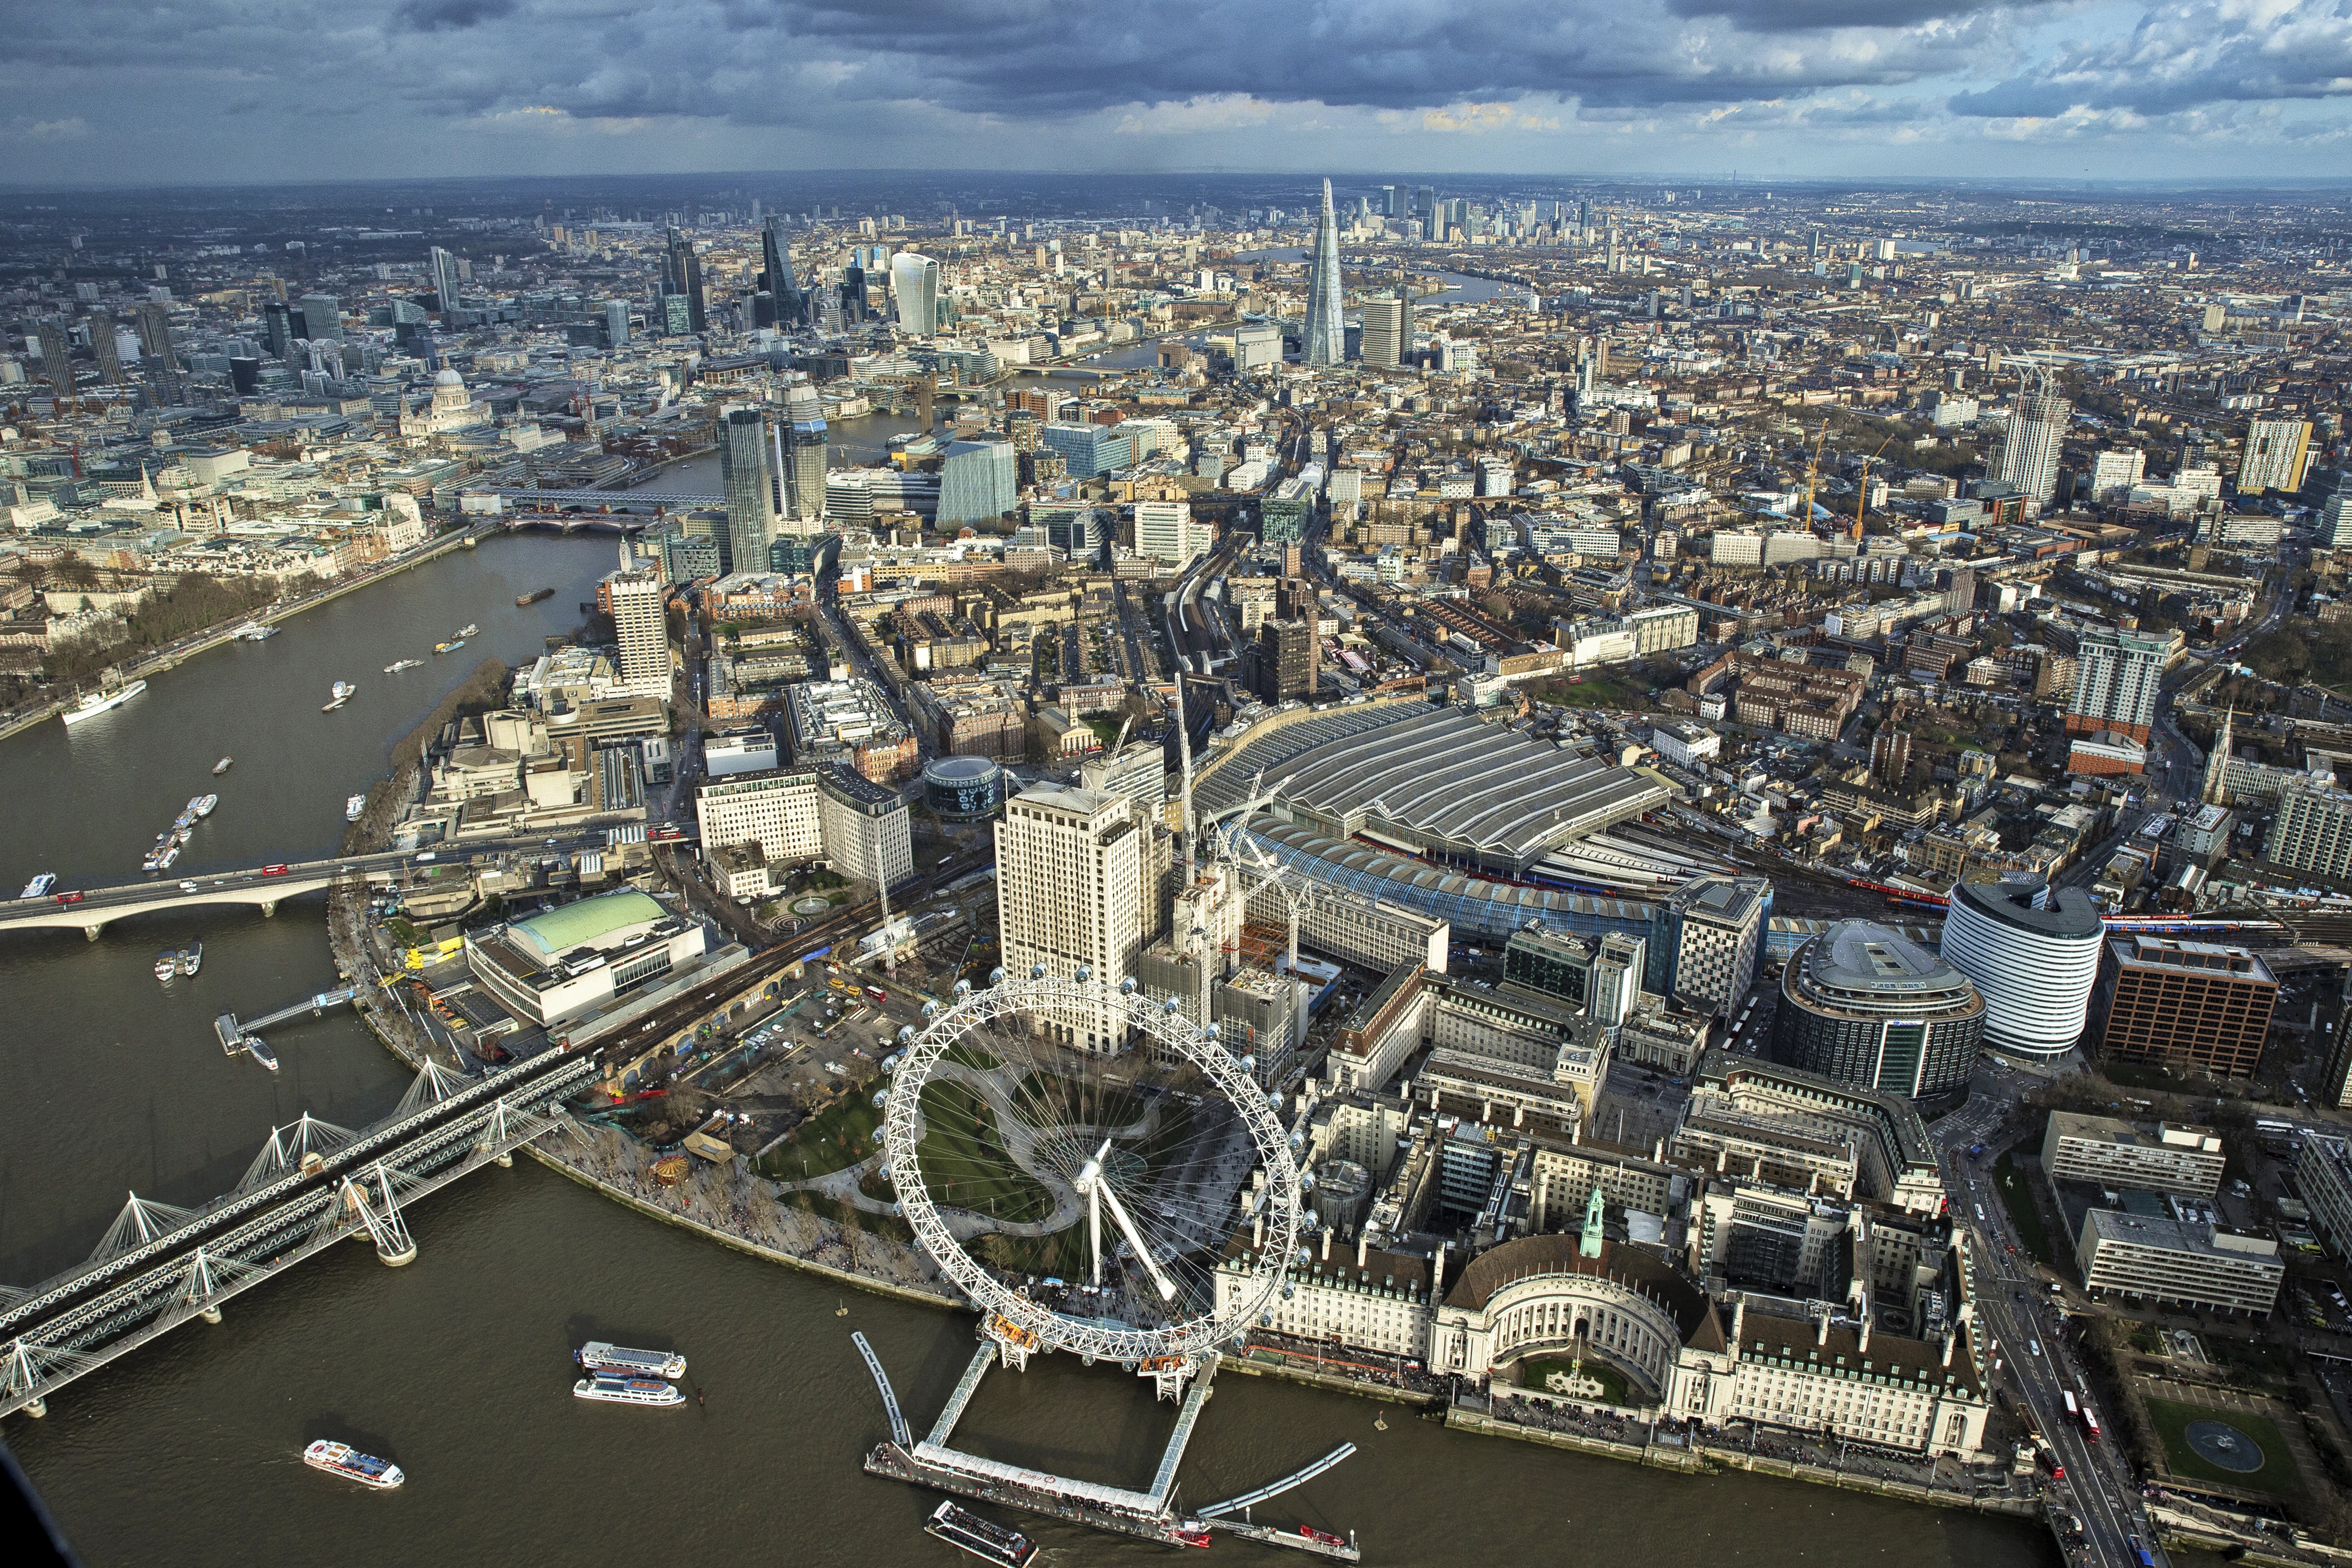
966	1531
39	885
223	766
628	1390
203	805
167	963
468	630
597	1357
352	806
191	959
97	703
397	665
343	1459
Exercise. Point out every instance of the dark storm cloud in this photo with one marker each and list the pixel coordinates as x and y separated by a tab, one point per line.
449	16
1802	15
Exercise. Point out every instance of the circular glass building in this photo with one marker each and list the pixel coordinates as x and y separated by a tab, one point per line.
2033	966
1865	1004
963	788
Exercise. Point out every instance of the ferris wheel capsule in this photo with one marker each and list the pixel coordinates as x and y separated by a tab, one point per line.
1288	1290
1037	972
1209	1033
996	975
1170	1006
930	1009
1249	1063
1086	972
964	988
1305	1258
1306	1181
881	1098
1274	1100
905	1034
1127	986
1310	1220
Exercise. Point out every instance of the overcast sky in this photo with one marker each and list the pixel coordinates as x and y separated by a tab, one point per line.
141	90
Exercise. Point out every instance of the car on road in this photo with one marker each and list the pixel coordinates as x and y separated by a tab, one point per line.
187	887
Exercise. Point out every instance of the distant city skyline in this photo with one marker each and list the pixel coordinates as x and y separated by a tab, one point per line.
112	93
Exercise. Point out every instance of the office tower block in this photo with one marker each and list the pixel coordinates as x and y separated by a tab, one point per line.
639	603
1705	941
682	279
442	267
1387	201
1069	893
790	304
743	476
2278	455
1865	1004
616	323
105	350
278	328
323	315
2116	674
56	357
1384	343
1327	333
2182	1004
1288	658
978	482
801	460
2311	832
155	324
1165	531
915	292
2029	452
2334	513
853	293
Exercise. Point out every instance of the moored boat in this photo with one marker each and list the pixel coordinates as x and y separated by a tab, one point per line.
468	630
628	1390
525	600
966	1531
598	1357
203	805
343	1459
191	959
352	806
39	885
97	703
224	765
167	963
450	646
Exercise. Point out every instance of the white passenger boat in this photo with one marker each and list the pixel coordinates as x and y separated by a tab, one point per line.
343	1459
628	1390
597	1357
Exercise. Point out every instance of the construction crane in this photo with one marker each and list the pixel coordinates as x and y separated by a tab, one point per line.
1861	490
1813	471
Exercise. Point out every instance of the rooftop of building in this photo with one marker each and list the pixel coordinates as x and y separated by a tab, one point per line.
2070	913
2201	1238
2165	953
1861	966
1561	1253
589	922
2180	1136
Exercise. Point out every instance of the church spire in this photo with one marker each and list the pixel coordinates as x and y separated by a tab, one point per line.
2217	763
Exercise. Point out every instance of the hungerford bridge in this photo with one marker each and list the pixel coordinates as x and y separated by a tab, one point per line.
313	1185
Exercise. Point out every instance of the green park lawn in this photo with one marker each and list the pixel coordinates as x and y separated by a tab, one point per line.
2278	1474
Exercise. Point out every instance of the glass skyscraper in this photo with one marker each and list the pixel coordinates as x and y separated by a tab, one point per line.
915	291
1327	333
743	476
980	482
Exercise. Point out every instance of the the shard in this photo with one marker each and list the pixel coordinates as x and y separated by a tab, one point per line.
1327	334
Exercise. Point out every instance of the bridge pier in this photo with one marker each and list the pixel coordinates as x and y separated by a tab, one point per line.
211	1315
269	909
89	934
505	1162
36	1408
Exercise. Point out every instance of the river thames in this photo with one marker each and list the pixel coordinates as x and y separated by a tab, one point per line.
456	1367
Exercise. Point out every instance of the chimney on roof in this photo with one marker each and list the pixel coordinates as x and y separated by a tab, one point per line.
1739	1322
1950	1338
1861	1340
1257	1230
1822	1335
1327	1243
1363	1248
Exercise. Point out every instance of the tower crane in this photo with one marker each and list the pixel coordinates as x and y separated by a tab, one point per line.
1813	471
1862	487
